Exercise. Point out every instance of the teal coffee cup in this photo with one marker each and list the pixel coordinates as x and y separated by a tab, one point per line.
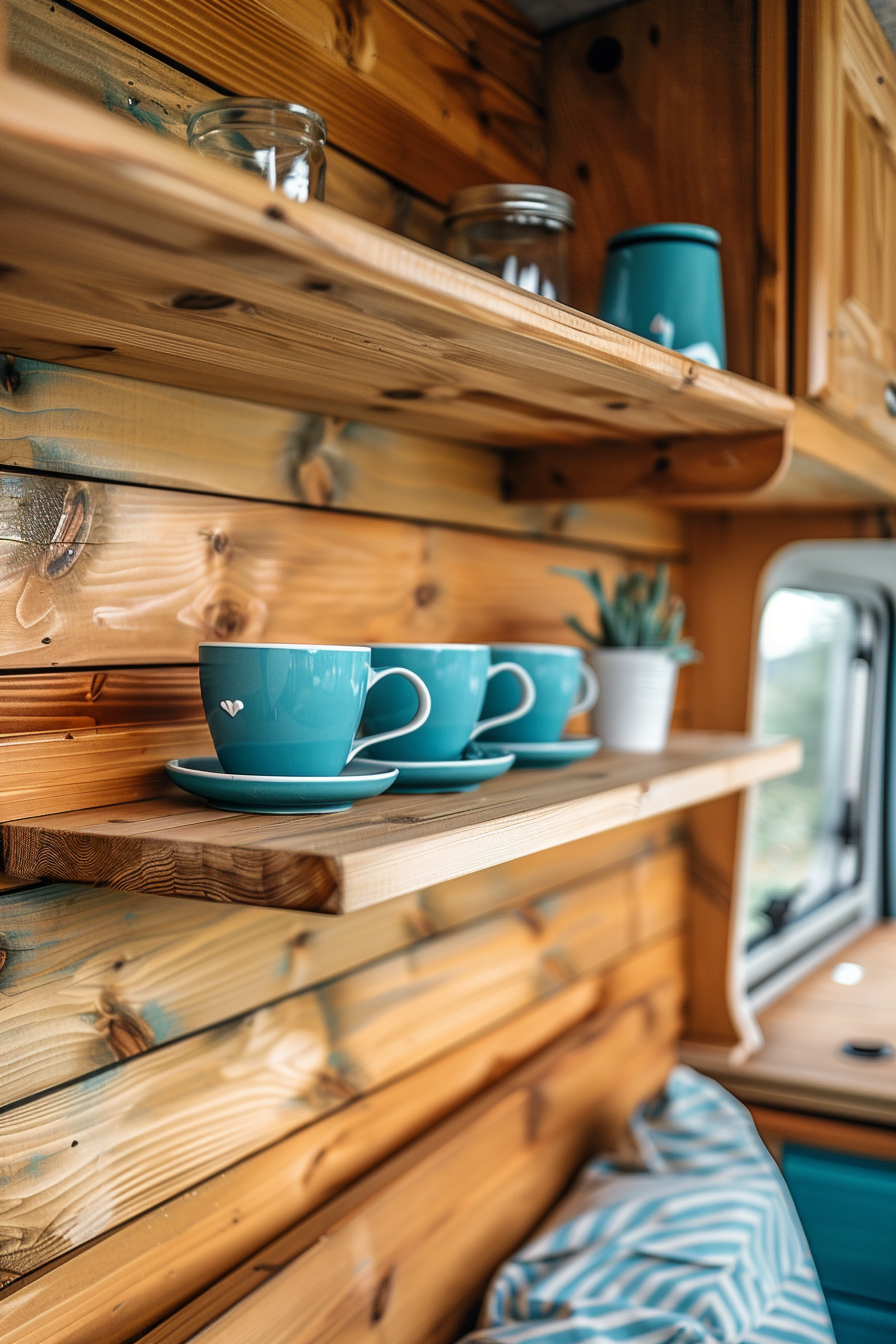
457	676
664	282
564	685
294	709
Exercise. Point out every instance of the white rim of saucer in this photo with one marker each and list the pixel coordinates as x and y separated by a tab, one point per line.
283	779
442	765
575	740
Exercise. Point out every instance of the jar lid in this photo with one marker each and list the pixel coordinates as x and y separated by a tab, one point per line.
513	198
650	233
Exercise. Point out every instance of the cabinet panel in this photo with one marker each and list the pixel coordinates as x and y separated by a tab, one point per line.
845	337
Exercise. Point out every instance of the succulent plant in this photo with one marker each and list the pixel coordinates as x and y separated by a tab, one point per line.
642	614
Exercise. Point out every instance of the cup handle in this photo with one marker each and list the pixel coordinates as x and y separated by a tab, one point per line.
527	700
590	691
424	705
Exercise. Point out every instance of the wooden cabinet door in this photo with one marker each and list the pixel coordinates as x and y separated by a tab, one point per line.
845	336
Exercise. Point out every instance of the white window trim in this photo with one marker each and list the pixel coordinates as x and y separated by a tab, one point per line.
865	571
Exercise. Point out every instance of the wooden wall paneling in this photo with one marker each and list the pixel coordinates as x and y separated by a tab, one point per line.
633	145
729	552
91	976
439	1229
394	93
62	49
492	37
141	575
96	425
772	194
126	1281
77	1157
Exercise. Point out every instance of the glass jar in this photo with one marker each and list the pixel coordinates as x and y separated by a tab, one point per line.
281	142
518	232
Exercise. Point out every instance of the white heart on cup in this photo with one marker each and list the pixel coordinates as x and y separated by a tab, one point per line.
232	707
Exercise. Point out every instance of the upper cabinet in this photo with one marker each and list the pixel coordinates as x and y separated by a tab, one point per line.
845	318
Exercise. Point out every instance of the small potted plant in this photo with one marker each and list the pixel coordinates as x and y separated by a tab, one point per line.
636	654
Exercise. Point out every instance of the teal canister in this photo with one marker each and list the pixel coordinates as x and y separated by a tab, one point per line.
664	282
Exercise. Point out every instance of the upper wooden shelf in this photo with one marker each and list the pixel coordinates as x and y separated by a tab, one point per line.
127	252
387	846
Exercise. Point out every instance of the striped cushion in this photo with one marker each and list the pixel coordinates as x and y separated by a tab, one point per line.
701	1244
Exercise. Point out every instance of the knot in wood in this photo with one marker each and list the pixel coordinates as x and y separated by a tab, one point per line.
125	1031
224	620
381	1296
425	594
71	534
10	378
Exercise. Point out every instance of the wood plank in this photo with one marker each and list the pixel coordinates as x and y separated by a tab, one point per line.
159	1123
92	976
495	39
668	134
394	93
60	48
438	1229
772	193
123	1283
779	1127
88	1155
88	424
801	1064
78	589
328	313
168	846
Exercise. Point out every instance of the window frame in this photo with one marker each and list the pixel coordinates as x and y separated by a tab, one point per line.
864	572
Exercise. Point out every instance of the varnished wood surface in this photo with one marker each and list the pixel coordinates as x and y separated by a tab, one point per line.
801	1064
777	1127
328	313
124	1282
88	1155
415	1252
702	472
92	976
845	314
393	91
95	425
64	50
385	846
668	134
101	574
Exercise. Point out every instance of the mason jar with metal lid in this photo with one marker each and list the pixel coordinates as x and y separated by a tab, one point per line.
516	231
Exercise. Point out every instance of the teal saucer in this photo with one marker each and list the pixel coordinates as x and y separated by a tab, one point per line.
551	755
448	776
279	795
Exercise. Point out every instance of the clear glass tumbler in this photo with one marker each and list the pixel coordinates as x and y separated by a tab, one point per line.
281	142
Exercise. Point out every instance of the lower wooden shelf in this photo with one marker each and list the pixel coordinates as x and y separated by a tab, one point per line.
384	847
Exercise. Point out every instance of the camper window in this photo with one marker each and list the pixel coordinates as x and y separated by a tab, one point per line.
812	868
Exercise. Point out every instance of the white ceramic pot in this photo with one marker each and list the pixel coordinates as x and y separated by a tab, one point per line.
637	691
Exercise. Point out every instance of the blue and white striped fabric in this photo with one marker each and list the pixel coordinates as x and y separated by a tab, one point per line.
700	1245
